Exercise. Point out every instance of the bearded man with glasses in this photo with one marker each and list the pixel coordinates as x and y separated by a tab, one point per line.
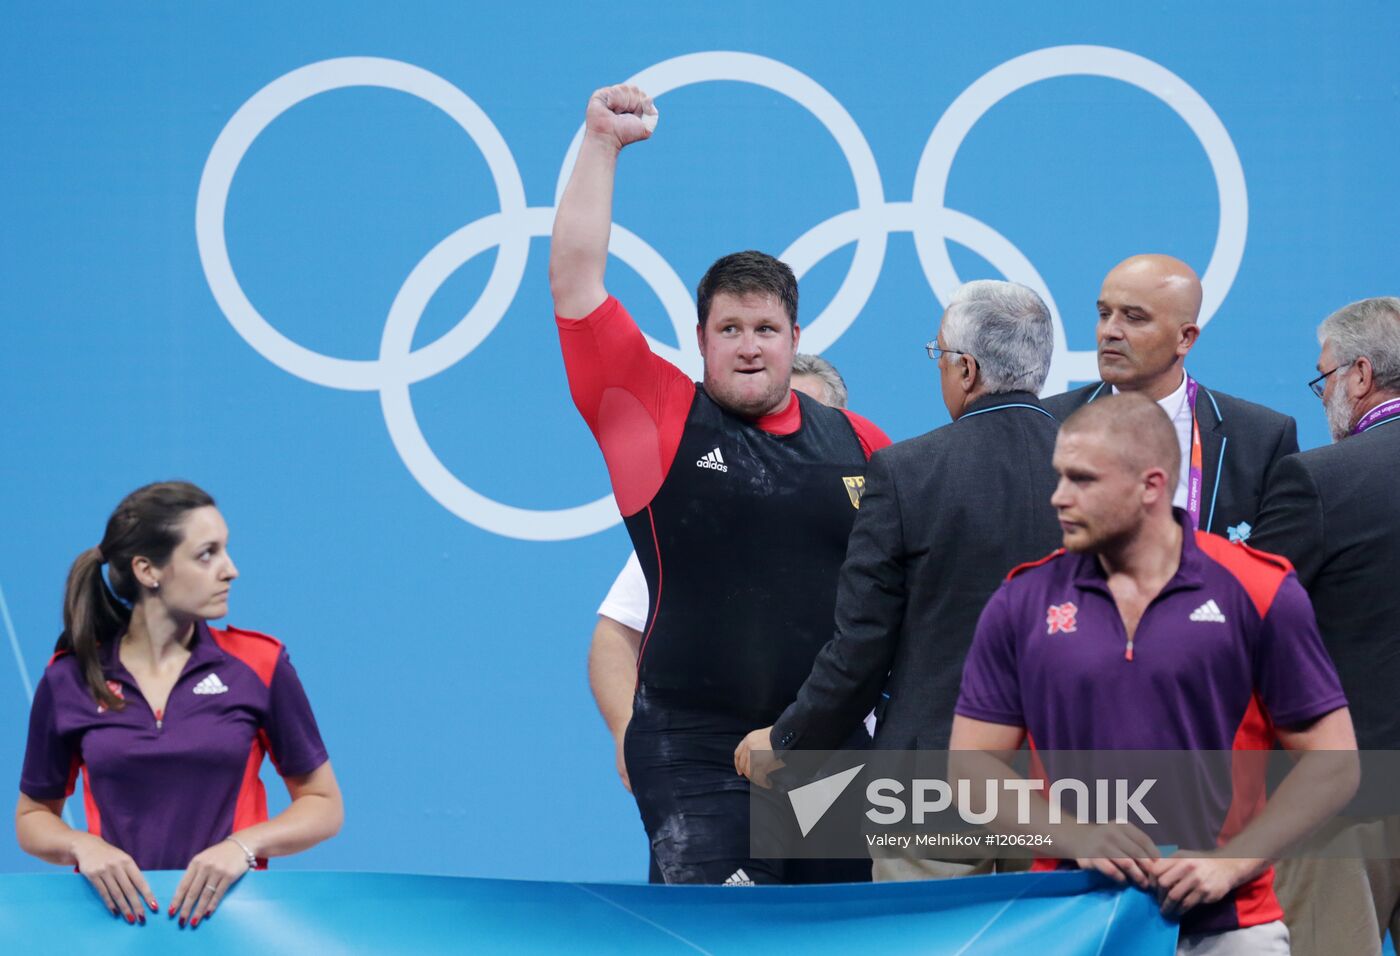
1334	513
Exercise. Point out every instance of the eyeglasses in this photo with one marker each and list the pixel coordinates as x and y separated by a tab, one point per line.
1317	384
934	352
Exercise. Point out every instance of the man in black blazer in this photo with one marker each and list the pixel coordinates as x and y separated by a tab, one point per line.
944	518
1148	308
1334	512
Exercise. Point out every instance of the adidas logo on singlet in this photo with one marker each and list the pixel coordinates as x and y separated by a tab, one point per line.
1209	611
714	460
738	877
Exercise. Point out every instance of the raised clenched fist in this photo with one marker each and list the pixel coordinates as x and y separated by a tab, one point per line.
623	114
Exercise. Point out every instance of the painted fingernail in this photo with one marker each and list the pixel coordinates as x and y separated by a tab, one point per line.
151	902
182	922
129	918
194	922
141	918
172	909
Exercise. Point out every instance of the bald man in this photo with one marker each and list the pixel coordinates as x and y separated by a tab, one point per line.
1143	634
1148	309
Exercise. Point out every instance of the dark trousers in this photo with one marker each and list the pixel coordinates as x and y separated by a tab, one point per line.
696	809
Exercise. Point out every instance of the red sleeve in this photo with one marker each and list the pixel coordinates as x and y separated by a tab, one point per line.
872	439
634	401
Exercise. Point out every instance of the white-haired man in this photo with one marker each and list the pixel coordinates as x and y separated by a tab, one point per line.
944	517
1335	514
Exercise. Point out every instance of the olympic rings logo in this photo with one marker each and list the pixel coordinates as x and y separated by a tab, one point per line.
869	225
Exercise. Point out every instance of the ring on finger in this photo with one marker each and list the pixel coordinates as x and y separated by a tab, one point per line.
208	888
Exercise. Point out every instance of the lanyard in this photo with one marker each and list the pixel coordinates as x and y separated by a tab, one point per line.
1374	416
1194	480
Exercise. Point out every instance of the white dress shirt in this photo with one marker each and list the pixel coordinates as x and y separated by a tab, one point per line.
1179	411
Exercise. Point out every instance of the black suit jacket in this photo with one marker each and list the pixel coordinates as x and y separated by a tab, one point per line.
943	519
1335	513
1240	444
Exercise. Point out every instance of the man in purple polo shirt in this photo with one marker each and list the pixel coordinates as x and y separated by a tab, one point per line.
1144	634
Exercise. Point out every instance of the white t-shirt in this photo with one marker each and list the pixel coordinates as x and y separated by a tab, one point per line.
627	603
628	598
1179	412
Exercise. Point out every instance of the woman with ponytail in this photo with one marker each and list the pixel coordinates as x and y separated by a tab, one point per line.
167	719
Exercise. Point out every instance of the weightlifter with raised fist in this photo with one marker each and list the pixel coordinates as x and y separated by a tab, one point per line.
738	494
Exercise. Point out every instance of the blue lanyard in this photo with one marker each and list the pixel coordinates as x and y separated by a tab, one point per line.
1002	408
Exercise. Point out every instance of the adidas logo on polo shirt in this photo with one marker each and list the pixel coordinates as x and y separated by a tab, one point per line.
1208	611
211	685
738	878
713	460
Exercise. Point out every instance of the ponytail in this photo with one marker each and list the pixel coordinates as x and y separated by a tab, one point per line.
145	524
91	616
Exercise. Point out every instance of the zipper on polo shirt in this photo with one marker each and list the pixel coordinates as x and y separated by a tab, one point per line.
159	715
1123	629
1128	650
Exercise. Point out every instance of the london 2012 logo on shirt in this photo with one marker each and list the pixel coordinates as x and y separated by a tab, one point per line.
1059	618
116	689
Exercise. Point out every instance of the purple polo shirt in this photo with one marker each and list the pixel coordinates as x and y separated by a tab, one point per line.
1228	650
164	787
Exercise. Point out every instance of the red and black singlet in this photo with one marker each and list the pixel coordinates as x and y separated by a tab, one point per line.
740	525
741	548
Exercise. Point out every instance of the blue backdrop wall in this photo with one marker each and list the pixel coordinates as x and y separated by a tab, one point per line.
297	255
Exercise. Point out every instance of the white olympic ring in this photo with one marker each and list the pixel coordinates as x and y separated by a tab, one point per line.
869	225
936	163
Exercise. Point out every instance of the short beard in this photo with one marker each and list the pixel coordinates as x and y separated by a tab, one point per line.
750	410
1111	539
1339	412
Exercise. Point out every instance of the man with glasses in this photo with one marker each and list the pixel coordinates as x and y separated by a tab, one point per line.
944	517
1148	308
1334	512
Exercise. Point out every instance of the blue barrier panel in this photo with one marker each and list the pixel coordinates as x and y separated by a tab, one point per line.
1053	914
